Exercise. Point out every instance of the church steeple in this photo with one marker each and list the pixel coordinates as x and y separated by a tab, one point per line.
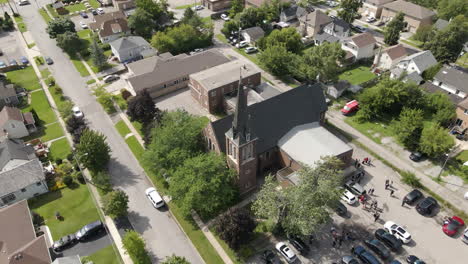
239	124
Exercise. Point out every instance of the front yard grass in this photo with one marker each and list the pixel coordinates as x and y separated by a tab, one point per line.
357	75
138	126
45	73
25	78
373	130
122	128
135	147
42	107
52	131
80	67
75	205
185	6
106	255
59	149
463	60
44	15
21	25
81	7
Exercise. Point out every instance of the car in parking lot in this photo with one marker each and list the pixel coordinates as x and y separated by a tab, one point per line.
100	11
464	237
48	60
378	248
416	156
341	209
364	255
93	11
24	60
23	2
451	226
298	244
83	15
13	62
83	25
426	206
198	7
398	231
269	257
242	44
110	78
89	230
286	252
2	64
388	239
370	19
154	197
359	29
413	196
348	260
249	50
412	259
225	17
348	197
354	187
64	242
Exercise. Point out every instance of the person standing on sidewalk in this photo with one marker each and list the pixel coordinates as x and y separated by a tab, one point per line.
391	192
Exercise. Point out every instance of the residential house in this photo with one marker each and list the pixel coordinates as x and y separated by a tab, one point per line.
60	8
166	73
431	88
253	34
281	132
123	4
216	5
21	172
417	63
131	48
462	115
335	90
68	260
292	14
415	15
313	23
110	26
373	8
452	80
360	46
8	95
441	24
209	87
19	243
334	31
15	124
389	57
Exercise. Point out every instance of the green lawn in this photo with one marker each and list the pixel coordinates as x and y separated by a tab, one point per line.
44	15
463	60
90	81
412	42
42	107
221	38
373	130
462	156
31	45
81	7
52	131
185	6
25	78
135	147
122	128
52	10
58	98
357	75
45	73
75	205
59	149
106	255
21	24
80	67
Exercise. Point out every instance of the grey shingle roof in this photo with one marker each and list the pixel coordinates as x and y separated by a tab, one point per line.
339	26
255	33
130	42
294	11
14	149
21	176
7	90
274	117
423	59
68	260
453	77
440	24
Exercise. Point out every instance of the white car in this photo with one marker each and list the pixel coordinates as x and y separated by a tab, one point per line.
286	252
332	4
398	231
242	44
100	11
224	17
77	112
249	50
199	7
83	25
87	5
154	197
110	78
370	19
348	197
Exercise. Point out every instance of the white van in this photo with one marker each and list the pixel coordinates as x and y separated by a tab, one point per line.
154	197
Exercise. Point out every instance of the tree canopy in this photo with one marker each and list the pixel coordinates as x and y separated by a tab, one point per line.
192	18
180	39
441	108
69	42
115	203
142	108
155	8
175	260
435	141
141	23
134	246
97	55
288	37
349	10
277	59
448	9
409	126
59	26
235	227
93	150
236	7
321	61
393	29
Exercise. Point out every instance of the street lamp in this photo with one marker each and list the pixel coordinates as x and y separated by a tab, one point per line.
447	156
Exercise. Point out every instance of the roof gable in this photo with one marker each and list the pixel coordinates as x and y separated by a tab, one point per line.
423	60
316	18
453	77
395	52
363	39
11	149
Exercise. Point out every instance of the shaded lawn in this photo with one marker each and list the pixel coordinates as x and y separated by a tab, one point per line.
357	75
106	255
21	26
138	127
373	130
58	98
25	78
462	156
463	60
184	6
60	149
42	107
122	128
75	205
52	131
135	147
80	67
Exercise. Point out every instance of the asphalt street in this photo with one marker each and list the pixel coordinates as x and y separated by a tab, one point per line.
162	234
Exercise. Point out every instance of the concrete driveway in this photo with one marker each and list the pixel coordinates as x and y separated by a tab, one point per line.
11	47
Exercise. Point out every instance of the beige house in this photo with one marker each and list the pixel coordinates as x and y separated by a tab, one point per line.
313	23
415	15
216	5
389	57
110	26
373	8
360	46
15	124
123	4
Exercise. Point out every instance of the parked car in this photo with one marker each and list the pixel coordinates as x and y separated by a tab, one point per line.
23	2
83	25
110	78
413	196
332	4
464	238
398	231
451	226
426	206
2	64
64	242
13	62
199	7
249	50
341	209
364	255
370	19
359	29
286	252
83	15
350	107
242	44
348	197
416	156
355	188
24	60
100	11
269	257
77	112
154	197
48	60
298	244
348	260
380	23
412	259
93	11
378	248
388	239
225	17
89	230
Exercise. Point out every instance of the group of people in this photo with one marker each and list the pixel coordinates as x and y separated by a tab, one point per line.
388	185
339	238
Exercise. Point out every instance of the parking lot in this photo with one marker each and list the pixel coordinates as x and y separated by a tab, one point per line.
77	18
10	45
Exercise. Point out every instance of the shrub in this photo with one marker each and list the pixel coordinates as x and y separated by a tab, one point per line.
105	46
68	180
134	246
79	177
39	60
51	82
410	179
58	90
70	157
37	219
58	161
125	94
65	109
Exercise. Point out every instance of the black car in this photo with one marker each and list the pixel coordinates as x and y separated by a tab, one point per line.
89	230
341	209
364	255
412	259
378	247
348	260
94	12
269	257
413	196
83	15
64	242
388	239
426	206
48	60
298	244
416	156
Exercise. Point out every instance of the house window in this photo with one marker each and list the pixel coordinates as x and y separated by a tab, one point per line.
213	93
7	100
459	122
23	190
440	83
38	183
209	143
8	198
268	154
457	92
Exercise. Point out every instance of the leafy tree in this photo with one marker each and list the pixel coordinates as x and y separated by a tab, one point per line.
192	18
155	8
59	26
321	61
251	17
204	184
166	151
70	42
272	9
277	59
115	203
409	126
236	7
289	38
175	260
448	9
135	247
393	29
435	140
97	55
349	10
430	72
142	108
93	150
230	26
7	22
447	44
441	108
68	180
180	39
102	180
141	23
235	227
303	208
74	123
424	33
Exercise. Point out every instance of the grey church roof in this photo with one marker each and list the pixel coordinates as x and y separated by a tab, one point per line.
274	117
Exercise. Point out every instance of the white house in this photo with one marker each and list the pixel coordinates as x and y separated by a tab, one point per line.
361	46
452	80
253	34
15	124
389	57
131	48
418	62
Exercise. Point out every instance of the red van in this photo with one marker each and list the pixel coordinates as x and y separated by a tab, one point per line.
350	107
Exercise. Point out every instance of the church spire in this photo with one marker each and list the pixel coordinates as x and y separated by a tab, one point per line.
239	124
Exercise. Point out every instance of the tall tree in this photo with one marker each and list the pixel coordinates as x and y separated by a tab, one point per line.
448	9
322	62
175	260
142	108
424	33
93	150
289	38
141	23
393	29
134	246
277	59
180	39
115	203
155	8
349	10
204	184
251	17
192	18
69	42
235	226
409	126
303	208
236	7
440	107
97	55
435	141
60	26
